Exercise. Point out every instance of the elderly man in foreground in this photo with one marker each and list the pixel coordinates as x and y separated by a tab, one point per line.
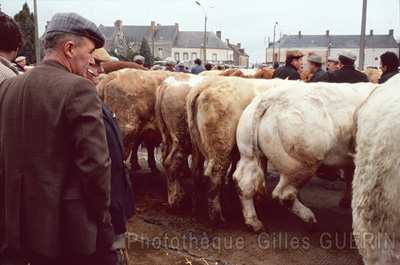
54	160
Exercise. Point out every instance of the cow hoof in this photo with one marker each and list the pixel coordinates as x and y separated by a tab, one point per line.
312	226
260	230
155	170
345	203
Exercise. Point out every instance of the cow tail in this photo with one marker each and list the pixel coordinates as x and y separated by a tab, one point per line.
194	131
260	186
160	120
261	108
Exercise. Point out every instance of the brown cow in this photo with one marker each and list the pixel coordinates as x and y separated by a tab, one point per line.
115	66
171	118
130	94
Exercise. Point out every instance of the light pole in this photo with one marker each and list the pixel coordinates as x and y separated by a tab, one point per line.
205	30
273	46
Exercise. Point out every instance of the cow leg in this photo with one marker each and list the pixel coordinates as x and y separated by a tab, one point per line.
216	172
345	201
197	173
150	157
235	160
172	164
245	177
134	157
286	192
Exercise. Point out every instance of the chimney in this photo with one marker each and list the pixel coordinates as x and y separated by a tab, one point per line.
371	33
327	34
152	29
219	34
391	31
118	24
227	42
177	27
239	45
299	34
47	25
243	51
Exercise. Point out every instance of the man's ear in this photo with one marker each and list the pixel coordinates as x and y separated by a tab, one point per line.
69	49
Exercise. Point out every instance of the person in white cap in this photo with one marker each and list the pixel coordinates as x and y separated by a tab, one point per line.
181	66
20	62
333	64
170	64
347	72
318	75
139	59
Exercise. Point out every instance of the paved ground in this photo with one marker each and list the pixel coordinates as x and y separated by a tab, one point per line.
157	236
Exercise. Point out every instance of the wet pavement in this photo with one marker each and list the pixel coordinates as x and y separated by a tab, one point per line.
158	236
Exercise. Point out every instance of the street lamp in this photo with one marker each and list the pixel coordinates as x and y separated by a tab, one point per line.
273	46
205	30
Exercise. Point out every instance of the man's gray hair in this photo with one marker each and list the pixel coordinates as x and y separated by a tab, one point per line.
54	40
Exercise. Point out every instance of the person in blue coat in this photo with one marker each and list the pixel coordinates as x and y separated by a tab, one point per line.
122	206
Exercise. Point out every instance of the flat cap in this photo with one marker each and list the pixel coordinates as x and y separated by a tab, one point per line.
101	55
294	54
348	54
316	58
181	63
170	61
138	58
20	58
78	25
333	59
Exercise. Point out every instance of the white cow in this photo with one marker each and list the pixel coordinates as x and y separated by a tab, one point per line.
297	127
376	184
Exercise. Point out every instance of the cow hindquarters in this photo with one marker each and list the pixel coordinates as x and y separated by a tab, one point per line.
250	181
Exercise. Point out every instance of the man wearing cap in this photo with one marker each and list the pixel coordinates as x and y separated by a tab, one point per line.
389	66
10	41
139	59
347	73
333	64
197	69
54	159
20	63
294	61
170	64
122	205
181	66
318	75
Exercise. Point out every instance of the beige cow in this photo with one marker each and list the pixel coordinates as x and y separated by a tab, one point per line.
171	119
214	107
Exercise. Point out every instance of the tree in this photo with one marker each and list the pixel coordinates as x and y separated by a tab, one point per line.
144	50
25	20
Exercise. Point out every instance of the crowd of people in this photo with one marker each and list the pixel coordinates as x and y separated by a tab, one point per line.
64	190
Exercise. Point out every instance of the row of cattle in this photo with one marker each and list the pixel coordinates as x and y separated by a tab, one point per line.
295	126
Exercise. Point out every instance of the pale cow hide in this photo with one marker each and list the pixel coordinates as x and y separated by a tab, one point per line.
296	127
376	184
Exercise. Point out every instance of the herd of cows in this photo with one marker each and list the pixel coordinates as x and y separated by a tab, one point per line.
233	119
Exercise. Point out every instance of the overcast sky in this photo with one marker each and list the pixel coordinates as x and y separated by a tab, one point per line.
248	22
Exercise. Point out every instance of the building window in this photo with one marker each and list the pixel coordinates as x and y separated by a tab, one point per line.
176	56
160	52
214	57
185	56
194	56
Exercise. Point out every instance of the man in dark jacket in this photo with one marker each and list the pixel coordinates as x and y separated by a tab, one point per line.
294	60
318	75
122	206
389	66
198	68
347	72
181	68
